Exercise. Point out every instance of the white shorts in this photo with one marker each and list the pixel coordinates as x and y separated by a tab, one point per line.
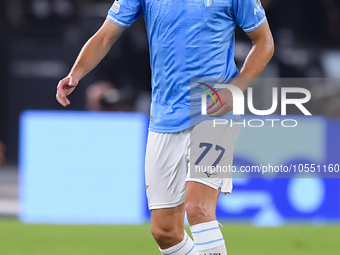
168	160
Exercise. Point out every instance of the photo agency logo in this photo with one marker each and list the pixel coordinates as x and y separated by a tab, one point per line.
239	99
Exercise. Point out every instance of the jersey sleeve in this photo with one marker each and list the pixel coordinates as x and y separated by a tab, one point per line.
248	14
124	12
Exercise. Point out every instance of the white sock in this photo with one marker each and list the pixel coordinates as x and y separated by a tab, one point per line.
186	247
208	238
220	250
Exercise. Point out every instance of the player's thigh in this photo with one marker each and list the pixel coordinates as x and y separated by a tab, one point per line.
166	167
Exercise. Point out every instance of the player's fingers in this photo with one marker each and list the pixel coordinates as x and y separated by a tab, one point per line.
67	101
61	99
61	92
62	83
214	108
64	88
221	111
212	102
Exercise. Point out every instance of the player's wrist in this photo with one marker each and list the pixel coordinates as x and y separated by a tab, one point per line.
242	83
76	75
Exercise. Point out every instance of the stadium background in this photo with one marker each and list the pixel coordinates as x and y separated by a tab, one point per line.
81	167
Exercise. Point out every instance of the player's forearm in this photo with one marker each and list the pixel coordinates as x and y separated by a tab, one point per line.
89	57
258	57
95	50
256	61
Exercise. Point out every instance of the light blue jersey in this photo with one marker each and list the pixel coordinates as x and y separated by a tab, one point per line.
188	39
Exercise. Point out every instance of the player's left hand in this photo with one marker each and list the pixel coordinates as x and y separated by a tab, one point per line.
218	109
65	88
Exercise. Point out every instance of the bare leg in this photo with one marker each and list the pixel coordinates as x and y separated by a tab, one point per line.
167	226
200	202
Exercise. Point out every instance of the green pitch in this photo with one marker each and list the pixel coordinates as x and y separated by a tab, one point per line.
19	239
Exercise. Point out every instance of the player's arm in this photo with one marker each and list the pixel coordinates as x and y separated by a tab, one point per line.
257	59
89	57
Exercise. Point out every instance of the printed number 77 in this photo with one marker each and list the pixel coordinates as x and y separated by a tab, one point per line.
207	149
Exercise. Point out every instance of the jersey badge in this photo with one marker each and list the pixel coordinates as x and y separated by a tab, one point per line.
208	3
115	7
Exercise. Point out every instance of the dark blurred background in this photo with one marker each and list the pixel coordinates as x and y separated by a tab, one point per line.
40	39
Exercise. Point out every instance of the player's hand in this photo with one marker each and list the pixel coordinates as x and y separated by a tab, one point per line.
218	109
66	87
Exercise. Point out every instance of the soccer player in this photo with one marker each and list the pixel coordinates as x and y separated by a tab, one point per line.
187	39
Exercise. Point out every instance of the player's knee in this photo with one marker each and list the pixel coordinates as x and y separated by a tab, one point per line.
198	212
167	237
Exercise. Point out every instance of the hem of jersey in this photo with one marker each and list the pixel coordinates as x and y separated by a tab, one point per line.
166	205
250	29
169	130
117	22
